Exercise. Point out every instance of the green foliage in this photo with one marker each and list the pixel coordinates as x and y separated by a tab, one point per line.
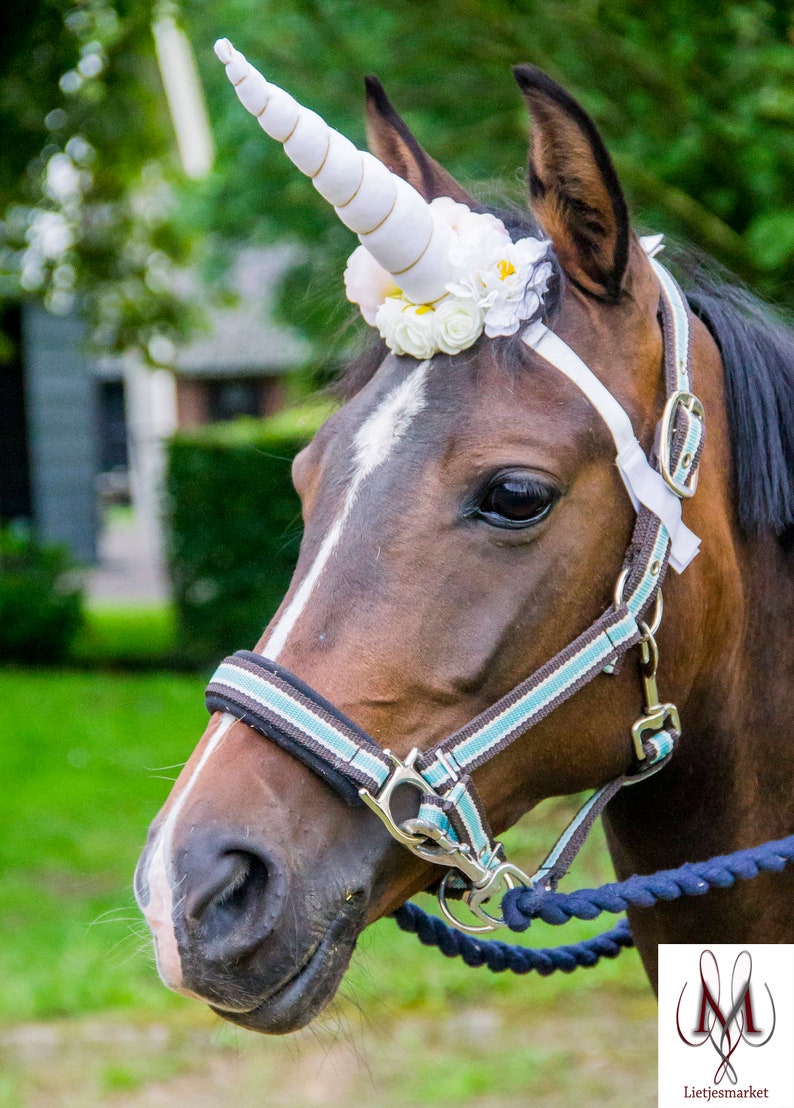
87	169
695	102
41	606
127	636
234	527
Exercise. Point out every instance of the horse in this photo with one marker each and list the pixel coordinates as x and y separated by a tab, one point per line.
464	520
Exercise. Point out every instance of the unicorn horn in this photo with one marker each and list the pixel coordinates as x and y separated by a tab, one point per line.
393	222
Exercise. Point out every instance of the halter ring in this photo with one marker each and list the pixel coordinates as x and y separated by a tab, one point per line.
658	611
505	874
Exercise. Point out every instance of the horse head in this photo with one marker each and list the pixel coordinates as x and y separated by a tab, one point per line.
464	521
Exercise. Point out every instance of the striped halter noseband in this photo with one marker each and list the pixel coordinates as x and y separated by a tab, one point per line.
451	828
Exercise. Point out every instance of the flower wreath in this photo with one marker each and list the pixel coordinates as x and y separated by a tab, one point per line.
497	284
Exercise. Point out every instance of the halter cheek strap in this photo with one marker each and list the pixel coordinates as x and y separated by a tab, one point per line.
451	828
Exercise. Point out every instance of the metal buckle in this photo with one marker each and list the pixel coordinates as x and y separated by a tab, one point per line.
447	852
689	401
485	875
658	608
505	876
403	773
655	715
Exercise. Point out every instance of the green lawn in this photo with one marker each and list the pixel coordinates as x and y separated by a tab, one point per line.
86	762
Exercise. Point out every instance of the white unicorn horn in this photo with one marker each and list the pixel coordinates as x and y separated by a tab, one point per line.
395	224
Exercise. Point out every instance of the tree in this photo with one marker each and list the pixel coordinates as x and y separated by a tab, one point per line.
87	168
696	102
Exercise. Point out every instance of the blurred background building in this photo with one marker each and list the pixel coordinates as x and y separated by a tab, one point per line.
80	433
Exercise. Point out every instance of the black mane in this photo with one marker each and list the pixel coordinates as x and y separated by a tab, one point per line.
757	348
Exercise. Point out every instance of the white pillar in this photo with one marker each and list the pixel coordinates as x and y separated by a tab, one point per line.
150	398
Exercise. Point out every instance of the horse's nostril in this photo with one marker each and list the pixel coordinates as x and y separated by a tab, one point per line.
232	897
244	892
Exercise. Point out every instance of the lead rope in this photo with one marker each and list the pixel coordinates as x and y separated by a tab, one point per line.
520	906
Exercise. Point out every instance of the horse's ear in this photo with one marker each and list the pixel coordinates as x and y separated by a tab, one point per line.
574	189
390	140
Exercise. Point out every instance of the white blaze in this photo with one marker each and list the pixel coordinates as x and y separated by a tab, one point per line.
159	910
373	443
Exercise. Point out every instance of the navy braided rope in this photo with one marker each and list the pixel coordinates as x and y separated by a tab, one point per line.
499	956
521	905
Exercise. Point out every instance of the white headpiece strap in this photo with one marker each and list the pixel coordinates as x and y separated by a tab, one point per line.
644	484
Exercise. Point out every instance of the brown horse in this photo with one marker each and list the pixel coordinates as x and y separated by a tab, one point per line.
464	521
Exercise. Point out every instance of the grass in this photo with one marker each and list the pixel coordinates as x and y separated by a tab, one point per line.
82	758
88	760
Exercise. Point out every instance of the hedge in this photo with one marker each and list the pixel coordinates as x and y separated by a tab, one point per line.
41	601
234	527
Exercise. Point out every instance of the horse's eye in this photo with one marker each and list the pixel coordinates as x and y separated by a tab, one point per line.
516	500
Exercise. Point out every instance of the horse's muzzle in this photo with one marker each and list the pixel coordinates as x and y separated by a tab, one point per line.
230	894
249	939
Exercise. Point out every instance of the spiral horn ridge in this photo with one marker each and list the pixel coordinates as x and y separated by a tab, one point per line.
393	222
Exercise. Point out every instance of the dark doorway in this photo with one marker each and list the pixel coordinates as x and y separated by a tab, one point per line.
15	491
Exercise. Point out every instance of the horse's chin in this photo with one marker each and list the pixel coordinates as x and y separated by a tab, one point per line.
301	995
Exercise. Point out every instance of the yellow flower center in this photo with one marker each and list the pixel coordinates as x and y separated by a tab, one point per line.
505	269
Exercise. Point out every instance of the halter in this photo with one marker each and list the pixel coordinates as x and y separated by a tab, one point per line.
451	829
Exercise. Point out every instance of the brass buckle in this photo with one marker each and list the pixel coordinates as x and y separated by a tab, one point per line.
654	720
655	716
689	401
485	875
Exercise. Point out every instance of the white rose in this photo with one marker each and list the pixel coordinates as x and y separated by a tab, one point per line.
386	319
413	332
367	283
406	328
457	324
451	211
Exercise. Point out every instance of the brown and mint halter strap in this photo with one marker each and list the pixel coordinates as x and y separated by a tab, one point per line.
281	707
